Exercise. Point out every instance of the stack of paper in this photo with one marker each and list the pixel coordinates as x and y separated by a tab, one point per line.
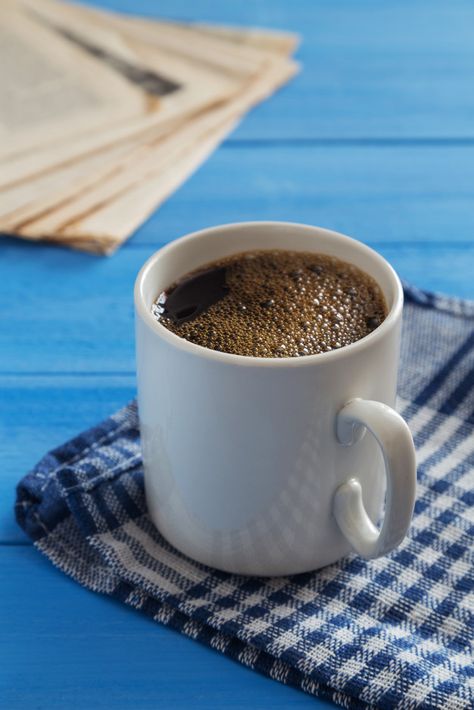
103	116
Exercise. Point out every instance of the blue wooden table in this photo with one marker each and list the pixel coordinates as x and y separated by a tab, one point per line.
376	139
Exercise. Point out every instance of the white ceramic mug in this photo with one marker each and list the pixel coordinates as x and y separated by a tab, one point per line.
263	465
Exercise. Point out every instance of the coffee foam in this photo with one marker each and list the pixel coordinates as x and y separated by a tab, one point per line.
282	304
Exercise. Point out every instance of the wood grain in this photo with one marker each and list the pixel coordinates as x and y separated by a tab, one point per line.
377	193
82	321
65	647
72	312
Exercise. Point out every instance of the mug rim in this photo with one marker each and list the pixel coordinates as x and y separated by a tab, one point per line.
250	360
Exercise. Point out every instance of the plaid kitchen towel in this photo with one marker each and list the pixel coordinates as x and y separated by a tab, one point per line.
395	632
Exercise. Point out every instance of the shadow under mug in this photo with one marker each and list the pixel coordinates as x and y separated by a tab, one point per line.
272	466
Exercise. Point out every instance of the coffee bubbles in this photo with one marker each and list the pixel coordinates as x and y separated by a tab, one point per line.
273	304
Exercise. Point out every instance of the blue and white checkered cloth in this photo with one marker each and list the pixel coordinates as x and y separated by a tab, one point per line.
396	632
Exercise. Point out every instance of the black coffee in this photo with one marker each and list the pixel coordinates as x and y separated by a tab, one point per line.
273	304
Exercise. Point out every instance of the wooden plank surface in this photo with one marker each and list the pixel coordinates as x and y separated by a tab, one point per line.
82	320
413	203
375	138
379	193
65	648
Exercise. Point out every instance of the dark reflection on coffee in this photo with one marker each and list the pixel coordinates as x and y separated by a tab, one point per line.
273	304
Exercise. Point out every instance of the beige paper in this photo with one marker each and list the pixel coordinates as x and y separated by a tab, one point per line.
112	220
196	86
199	83
22	199
105	229
283	43
50	90
90	190
185	40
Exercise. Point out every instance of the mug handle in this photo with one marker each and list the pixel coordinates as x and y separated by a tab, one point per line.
396	443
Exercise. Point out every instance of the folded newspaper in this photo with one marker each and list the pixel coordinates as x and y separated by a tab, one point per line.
103	116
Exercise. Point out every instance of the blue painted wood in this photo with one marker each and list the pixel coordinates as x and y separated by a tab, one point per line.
371	69
76	309
82	319
378	193
375	138
65	647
